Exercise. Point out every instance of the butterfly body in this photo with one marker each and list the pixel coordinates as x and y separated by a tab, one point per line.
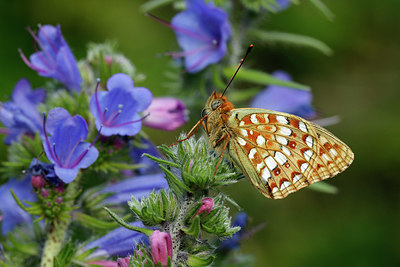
278	152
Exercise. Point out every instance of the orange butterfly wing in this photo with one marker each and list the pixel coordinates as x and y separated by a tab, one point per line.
281	153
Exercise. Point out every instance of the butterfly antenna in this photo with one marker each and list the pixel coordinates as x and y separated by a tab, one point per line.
240	64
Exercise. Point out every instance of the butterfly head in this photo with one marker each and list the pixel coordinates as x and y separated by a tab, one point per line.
217	103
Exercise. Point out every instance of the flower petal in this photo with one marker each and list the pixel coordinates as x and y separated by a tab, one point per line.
120	80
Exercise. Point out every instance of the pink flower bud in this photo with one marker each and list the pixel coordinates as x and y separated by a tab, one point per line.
59	200
45	193
161	247
123	262
60	188
166	113
37	181
206	206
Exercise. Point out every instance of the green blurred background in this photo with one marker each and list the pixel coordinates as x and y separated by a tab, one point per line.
359	226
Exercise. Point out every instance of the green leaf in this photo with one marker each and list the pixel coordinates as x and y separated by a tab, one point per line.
194	228
92	222
161	161
121	222
152	4
65	256
291	39
324	9
323	188
262	78
200	260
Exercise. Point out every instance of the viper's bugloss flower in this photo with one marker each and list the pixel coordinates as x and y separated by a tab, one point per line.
121	262
136	153
65	147
138	186
55	60
116	111
119	242
166	113
202	31
234	242
20	115
284	99
161	247
12	214
206	206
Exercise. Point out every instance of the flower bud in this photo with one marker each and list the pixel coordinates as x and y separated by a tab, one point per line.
123	262
45	193
37	181
161	247
59	200
166	113
206	206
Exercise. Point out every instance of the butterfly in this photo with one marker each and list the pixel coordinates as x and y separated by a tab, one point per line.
278	152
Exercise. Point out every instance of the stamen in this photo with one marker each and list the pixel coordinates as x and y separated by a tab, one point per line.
41	46
81	156
47	138
55	153
71	152
48	39
201	60
102	118
130	122
190	52
28	63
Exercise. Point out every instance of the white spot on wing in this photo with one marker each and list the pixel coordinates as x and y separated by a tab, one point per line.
309	141
303	167
285	131
282	119
260	140
241	141
241	123
282	140
280	158
271	163
274	190
302	126
333	152
243	132
266	118
286	151
260	166
285	184
308	154
325	157
296	178
253	119
265	175
252	152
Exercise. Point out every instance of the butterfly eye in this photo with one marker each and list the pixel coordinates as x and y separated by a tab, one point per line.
216	103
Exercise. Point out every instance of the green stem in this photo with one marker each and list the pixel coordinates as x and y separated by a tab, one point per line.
57	231
176	233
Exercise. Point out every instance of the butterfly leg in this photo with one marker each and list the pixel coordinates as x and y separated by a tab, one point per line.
227	137
193	131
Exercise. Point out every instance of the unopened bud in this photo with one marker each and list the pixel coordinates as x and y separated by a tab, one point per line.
37	181
161	247
45	193
206	206
59	200
123	262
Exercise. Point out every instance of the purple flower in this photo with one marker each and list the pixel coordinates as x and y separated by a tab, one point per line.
138	186
234	242
116	111
65	147
12	214
21	115
55	60
119	242
166	113
161	247
202	31
136	153
284	99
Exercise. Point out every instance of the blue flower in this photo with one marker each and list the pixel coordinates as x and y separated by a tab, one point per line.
119	242
136	154
21	115
138	186
234	242
55	60
284	99
116	111
65	147
202	31
12	214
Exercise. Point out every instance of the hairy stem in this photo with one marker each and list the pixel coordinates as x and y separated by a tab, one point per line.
57	231
176	234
